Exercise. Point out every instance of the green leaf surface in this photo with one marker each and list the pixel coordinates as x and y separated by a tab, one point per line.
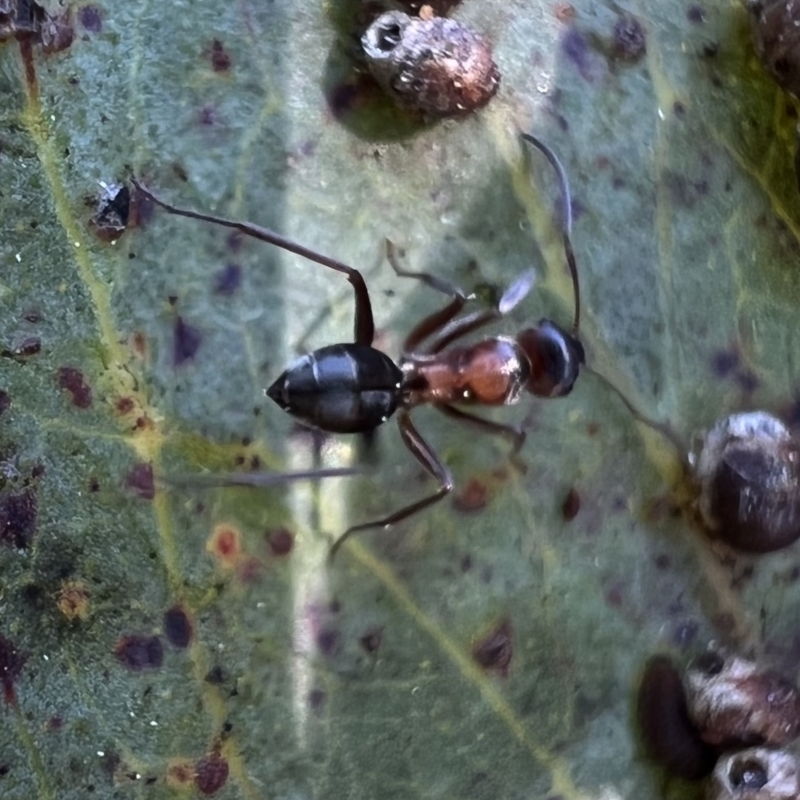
363	679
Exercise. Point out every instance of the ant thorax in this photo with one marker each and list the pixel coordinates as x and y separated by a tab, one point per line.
491	372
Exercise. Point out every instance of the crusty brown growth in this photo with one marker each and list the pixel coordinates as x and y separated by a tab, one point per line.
776	31
437	66
735	704
756	774
749	476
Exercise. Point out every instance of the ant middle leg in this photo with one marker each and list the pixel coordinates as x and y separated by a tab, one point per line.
426	456
364	324
515	435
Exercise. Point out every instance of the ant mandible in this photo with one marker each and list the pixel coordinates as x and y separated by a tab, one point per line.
354	388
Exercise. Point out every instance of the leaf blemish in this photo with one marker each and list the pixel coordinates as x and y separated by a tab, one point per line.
473	497
30	346
371	640
211	774
71	381
280	542
124	405
140	479
177	627
91	19
571	505
186	343
494	652
220	60
5	401
225	543
73	600
11	662
18	515
138	652
228	280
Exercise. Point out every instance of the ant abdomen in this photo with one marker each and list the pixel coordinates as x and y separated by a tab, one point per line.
342	388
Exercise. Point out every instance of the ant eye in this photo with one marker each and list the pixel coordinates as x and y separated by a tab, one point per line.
555	358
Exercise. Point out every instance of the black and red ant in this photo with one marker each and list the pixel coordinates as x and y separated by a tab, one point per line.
354	388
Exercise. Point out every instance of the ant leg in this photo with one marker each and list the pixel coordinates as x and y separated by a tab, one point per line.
433	322
422	451
448	333
440	284
258	480
364	325
515	435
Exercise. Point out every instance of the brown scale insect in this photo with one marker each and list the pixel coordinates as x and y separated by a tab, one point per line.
433	64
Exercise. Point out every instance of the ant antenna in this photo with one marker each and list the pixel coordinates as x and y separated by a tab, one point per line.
566	221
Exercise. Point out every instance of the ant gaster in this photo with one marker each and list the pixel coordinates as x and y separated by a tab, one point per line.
354	388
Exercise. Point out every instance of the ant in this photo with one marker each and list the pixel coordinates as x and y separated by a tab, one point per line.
354	388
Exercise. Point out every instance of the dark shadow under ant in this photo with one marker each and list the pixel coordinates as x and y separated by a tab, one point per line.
354	388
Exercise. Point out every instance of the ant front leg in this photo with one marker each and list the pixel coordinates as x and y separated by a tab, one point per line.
423	452
438	323
423	329
364	324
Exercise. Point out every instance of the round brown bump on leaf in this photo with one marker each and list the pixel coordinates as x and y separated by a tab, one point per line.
436	66
755	774
749	476
734	704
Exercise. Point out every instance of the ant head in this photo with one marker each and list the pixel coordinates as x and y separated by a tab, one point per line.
555	356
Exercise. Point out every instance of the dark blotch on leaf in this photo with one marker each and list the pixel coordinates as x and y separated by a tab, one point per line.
228	279
280	542
630	41
91	19
220	60
177	627
215	676
5	401
211	774
371	640
724	362
11	663
328	641
138	652
187	342
669	736
316	698
571	505
494	652
71	380
472	497
140	479
576	48
124	405
18	518
26	348
696	14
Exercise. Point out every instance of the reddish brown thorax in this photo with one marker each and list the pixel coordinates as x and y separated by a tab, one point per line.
492	372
